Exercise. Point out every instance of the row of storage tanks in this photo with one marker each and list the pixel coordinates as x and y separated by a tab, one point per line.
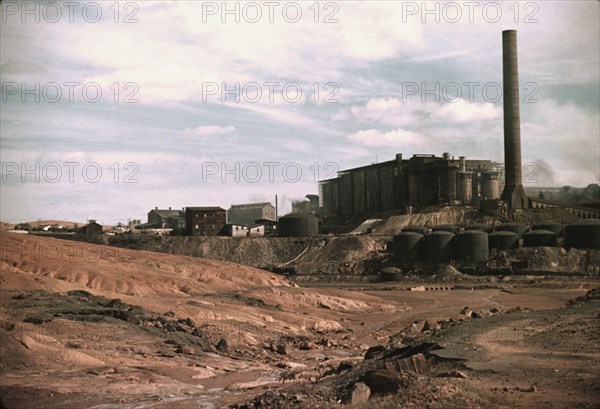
472	246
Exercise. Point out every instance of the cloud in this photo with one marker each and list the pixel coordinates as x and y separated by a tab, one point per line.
210	130
397	138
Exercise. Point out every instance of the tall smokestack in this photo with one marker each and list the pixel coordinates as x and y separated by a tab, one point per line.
513	193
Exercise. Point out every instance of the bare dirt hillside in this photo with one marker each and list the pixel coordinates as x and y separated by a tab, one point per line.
89	326
350	254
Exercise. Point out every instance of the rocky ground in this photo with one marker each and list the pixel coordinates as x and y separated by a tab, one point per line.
84	327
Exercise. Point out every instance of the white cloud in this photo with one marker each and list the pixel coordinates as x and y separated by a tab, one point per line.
394	139
210	130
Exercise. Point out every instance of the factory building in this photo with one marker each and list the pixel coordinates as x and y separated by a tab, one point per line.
418	181
204	221
247	214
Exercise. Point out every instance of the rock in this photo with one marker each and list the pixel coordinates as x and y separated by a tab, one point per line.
530	389
189	322
474	314
344	366
169	314
430	327
222	346
466	311
185	350
306	345
358	395
281	348
453	374
494	310
374	351
384	382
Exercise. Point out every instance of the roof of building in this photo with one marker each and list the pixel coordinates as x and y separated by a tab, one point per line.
91	224
205	208
250	205
165	213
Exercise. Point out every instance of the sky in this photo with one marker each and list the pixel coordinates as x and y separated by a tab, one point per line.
110	109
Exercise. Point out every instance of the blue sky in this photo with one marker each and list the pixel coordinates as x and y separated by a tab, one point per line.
173	137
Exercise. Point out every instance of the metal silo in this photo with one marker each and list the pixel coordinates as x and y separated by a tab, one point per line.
539	238
479	226
518	228
408	247
465	186
299	225
446	227
583	234
415	229
439	247
490	186
472	246
503	240
549	225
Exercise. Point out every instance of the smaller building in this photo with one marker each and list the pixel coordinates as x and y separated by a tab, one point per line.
257	230
270	227
205	221
234	230
91	228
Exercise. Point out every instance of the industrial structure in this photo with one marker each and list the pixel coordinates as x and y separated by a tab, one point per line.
166	219
299	225
310	205
418	181
204	221
514	193
247	214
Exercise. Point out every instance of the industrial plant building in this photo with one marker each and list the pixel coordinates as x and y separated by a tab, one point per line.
205	221
166	219
248	214
418	181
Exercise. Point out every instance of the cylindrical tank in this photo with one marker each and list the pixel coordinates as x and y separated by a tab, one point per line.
583	234
556	227
299	225
472	246
539	238
415	229
439	247
446	227
518	228
503	240
465	186
391	274
408	247
490	186
479	226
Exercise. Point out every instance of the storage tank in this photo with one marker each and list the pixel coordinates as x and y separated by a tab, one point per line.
539	238
503	240
299	225
439	247
465	186
472	246
518	228
415	229
556	227
490	186
446	227
408	247
391	274
479	226
583	234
